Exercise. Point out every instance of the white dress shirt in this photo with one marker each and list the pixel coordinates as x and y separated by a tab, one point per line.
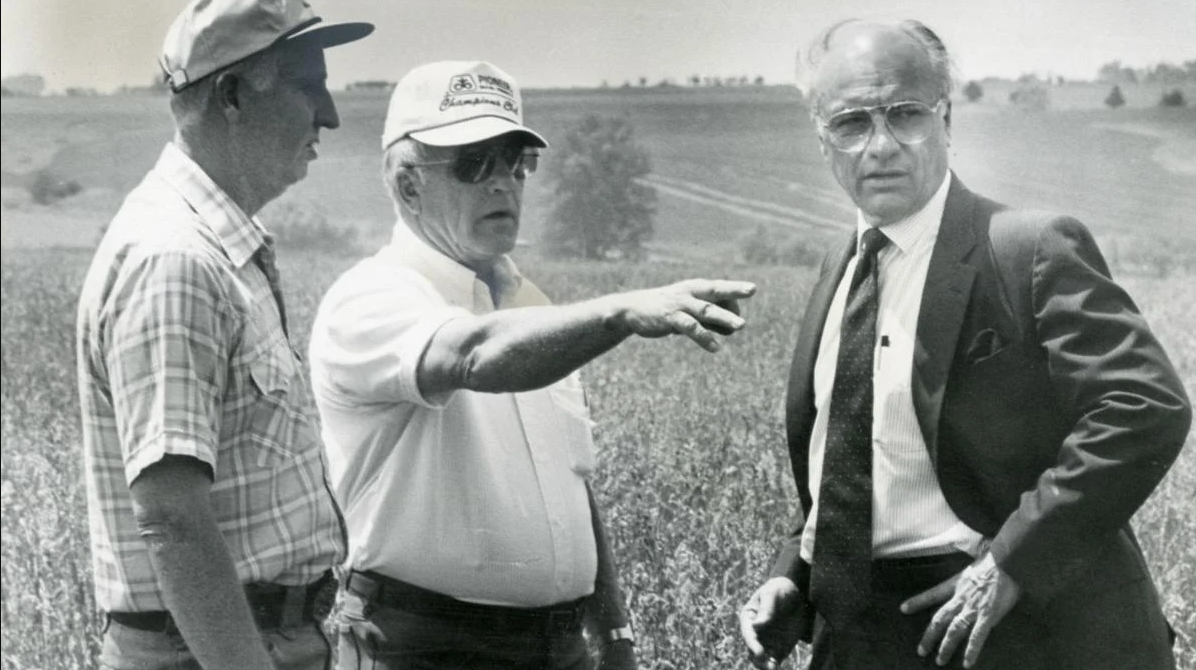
479	496
910	516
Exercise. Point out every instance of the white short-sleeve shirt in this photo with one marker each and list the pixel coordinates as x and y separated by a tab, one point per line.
479	496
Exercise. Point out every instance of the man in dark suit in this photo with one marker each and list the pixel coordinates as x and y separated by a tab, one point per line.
975	410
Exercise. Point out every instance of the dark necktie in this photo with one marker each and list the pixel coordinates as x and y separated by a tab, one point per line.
841	581
265	260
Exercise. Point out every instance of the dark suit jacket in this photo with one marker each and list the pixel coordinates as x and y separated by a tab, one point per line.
1048	407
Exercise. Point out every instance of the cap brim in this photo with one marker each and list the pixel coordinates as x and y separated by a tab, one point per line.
475	130
334	34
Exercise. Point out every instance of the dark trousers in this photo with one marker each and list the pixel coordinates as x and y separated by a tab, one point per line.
434	632
1026	639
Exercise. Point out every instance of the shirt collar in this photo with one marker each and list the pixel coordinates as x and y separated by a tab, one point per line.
921	226
456	282
239	234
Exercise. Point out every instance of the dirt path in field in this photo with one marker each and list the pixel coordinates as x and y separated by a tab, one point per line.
756	210
1174	154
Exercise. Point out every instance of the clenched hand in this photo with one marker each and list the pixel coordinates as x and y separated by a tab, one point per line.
768	622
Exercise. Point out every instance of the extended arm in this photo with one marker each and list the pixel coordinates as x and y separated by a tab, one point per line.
527	348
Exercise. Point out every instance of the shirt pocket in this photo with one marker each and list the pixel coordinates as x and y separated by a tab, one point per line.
576	427
273	419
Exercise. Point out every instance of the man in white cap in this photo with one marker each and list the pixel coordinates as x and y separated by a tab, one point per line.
212	525
458	434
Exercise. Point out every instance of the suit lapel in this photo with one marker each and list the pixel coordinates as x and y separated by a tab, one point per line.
820	304
800	402
944	301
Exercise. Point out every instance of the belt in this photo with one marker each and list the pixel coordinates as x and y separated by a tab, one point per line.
380	590
898	575
273	605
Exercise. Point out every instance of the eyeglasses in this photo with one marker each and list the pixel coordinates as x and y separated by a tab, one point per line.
909	122
475	163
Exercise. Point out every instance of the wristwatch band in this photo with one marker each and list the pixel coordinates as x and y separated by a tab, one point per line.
620	633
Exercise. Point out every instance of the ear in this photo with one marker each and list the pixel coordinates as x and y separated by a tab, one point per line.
227	95
408	190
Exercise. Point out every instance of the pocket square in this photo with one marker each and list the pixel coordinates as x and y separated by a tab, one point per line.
986	343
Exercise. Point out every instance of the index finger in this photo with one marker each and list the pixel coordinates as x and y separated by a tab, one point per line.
930	597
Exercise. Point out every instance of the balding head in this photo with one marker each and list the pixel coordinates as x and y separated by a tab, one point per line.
907	50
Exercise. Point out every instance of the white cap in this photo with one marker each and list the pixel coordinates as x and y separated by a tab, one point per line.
212	34
450	103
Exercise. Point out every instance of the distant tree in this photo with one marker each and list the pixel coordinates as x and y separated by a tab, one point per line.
1031	96
759	80
1114	72
25	84
1115	99
973	91
47	187
695	80
1173	98
1165	73
1111	72
600	205
643	82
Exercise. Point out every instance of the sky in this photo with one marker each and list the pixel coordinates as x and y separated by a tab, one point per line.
103	44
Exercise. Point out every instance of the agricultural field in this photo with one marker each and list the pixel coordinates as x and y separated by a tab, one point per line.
693	472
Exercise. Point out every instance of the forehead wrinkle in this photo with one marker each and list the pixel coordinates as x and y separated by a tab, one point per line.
869	65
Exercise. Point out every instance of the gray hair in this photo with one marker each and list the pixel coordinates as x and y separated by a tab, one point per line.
401	158
809	60
191	105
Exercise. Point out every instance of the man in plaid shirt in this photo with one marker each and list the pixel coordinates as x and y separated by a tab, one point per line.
212	526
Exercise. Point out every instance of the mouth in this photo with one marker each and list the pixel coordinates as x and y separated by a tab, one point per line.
884	175
499	214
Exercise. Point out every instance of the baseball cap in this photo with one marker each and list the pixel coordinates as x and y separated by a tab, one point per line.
213	34
450	103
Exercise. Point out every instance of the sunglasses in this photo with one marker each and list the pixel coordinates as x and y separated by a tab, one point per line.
909	122
475	163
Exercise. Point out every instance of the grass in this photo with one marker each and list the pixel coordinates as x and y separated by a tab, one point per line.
693	469
693	473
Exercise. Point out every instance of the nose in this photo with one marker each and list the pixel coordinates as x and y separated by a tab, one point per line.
881	141
502	179
326	115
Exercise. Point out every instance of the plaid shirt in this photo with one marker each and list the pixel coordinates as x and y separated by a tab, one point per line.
181	350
